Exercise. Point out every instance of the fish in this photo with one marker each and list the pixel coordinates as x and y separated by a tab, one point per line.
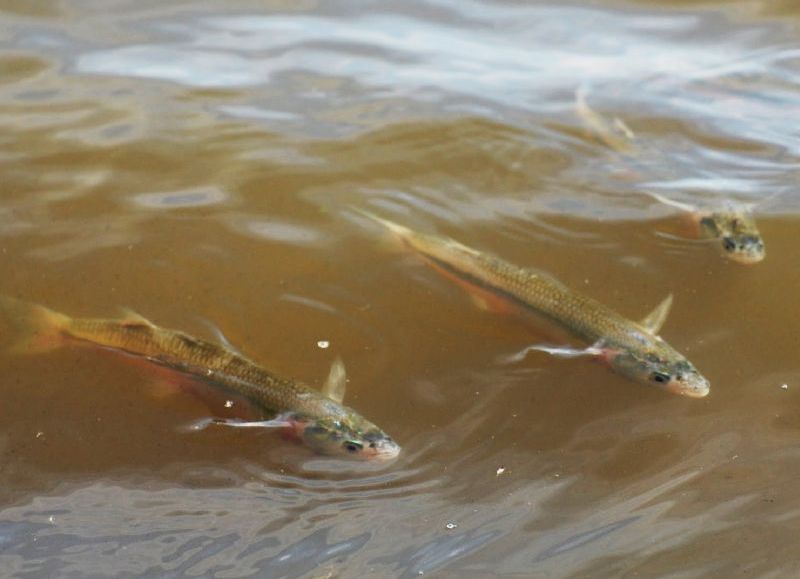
733	225
632	349
316	418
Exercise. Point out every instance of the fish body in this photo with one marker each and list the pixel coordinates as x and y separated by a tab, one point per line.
733	226
631	348
319	420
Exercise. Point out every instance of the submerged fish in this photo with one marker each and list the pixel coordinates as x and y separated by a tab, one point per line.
734	226
633	349
316	418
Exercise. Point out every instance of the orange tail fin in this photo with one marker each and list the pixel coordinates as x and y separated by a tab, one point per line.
40	329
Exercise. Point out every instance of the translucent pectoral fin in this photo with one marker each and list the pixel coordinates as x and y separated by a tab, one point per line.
557	351
204	423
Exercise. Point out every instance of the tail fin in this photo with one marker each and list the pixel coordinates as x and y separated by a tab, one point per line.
40	329
395	228
400	235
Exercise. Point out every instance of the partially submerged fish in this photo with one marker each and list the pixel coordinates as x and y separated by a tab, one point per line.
633	349
734	225
316	418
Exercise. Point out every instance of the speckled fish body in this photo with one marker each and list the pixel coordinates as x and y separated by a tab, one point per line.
323	423
629	347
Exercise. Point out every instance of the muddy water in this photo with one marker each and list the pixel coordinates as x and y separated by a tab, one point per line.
196	162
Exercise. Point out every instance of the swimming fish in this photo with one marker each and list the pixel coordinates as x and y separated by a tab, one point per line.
734	225
316	418
633	349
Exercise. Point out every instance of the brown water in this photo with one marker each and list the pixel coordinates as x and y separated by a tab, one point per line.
196	162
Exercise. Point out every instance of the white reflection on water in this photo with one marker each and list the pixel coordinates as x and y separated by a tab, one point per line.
510	57
197	197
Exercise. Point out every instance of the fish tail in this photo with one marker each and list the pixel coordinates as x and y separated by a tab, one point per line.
400	235
40	329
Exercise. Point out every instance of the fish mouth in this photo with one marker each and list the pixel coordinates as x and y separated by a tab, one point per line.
745	250
747	257
383	451
692	387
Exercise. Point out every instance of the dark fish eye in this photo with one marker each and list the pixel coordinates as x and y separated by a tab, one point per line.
728	244
660	377
353	446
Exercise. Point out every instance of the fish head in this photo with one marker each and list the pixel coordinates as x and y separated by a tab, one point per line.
661	367
740	238
346	434
745	249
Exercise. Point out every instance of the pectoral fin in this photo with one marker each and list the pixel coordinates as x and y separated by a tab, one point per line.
337	382
204	423
655	319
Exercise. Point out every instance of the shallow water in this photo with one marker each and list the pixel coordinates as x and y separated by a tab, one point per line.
196	162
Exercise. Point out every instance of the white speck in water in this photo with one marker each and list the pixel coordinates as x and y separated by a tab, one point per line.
39	434
785	386
51	519
209	372
501	470
450	526
229	404
323	344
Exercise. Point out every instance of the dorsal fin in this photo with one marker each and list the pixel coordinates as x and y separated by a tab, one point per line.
221	337
655	319
336	382
131	317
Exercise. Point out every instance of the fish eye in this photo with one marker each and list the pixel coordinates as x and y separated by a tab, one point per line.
660	377
728	244
352	446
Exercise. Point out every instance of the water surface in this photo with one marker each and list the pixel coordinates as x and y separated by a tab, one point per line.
196	162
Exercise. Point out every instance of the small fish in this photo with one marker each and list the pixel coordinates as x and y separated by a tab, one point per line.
615	134
633	349
317	418
734	225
